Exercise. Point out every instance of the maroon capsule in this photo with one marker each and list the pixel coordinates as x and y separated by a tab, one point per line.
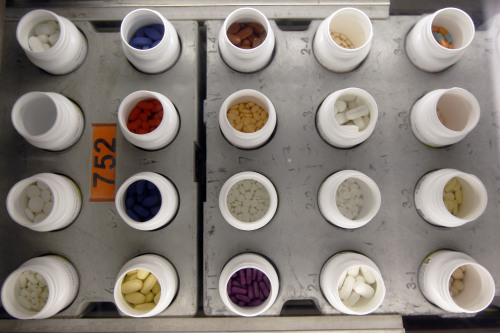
254	274
242	277
256	289
242	298
255	302
259	276
267	282
238	290
249	276
250	292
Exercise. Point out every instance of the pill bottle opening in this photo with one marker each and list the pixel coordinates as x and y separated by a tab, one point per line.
363	304
479	289
355	193
353	24
458	24
474	197
31	291
37	113
139	301
349	101
248	200
137	19
456	111
142	200
247	15
29	22
248	288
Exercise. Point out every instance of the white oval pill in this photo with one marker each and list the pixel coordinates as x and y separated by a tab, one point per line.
39	218
364	289
353	271
29	214
346	288
368	274
46	195
41	185
352	299
47	207
35	204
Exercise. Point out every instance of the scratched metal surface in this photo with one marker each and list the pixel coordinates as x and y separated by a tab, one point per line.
99	242
299	240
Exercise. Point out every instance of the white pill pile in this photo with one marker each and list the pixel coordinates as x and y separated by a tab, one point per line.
44	36
38	202
359	282
33	292
351	113
457	285
248	200
453	196
141	289
349	198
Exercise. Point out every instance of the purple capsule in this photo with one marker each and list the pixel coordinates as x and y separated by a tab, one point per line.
255	302
238	290
242	277
229	291
241	303
259	275
242	298
255	288
254	274
233	299
234	276
236	283
248	276
267	282
264	289
250	293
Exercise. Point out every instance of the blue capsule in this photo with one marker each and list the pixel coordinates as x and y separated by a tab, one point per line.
153	33
150	201
141	41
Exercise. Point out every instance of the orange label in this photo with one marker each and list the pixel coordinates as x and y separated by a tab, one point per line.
103	162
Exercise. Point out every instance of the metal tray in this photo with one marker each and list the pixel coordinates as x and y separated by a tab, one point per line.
99	242
299	240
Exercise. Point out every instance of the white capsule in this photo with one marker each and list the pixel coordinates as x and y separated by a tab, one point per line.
340	105
39	217
364	289
32	277
353	271
351	128
53	38
29	214
35	204
25	303
357	112
41	280
368	274
47	208
35	44
25	292
341	118
352	299
23	281
351	105
346	288
32	191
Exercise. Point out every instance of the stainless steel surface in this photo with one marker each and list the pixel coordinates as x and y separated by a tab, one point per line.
365	324
99	242
299	240
200	9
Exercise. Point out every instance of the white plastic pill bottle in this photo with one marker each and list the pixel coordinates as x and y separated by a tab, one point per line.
246	60
159	58
426	53
332	132
356	26
66	55
66	199
434	281
47	120
163	135
430	204
248	140
335	271
167	278
444	116
225	205
62	282
242	261
169	201
328	205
